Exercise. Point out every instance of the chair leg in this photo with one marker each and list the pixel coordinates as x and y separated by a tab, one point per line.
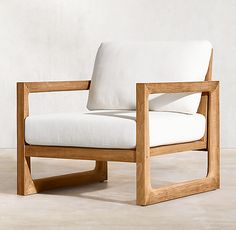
101	169
25	184
214	166
147	195
214	138
143	184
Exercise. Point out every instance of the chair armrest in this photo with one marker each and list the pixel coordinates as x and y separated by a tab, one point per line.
142	106
37	87
24	88
179	87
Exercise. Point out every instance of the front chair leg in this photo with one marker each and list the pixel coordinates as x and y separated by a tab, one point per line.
143	185
214	138
25	183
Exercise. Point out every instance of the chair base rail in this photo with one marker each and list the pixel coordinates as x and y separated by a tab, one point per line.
121	155
98	174
182	189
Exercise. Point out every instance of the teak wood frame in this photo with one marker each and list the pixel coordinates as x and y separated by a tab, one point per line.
145	194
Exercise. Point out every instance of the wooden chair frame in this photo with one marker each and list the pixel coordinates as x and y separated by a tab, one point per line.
145	194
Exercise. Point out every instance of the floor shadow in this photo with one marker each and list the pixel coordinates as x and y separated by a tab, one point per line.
80	191
8	183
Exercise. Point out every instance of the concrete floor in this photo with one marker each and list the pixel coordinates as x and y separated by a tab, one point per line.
111	205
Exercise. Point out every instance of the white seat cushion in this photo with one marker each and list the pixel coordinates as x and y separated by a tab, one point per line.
111	129
119	66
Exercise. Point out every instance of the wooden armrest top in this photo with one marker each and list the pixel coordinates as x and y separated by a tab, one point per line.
163	87
179	87
37	87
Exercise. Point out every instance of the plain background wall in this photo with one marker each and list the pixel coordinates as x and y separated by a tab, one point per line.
58	40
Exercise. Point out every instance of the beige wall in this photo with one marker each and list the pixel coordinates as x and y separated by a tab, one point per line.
57	39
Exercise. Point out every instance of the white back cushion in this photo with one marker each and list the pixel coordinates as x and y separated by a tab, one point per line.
119	66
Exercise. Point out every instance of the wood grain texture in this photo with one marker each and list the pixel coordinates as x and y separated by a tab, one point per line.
98	174
143	184
37	87
181	87
145	193
167	149
25	183
209	107
81	153
181	190
214	136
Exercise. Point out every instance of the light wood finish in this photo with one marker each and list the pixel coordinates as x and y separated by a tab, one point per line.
37	87
167	149
143	185
214	137
81	153
180	87
98	174
25	184
145	193
204	98
209	107
180	190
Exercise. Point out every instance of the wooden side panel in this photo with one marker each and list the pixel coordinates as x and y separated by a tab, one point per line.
210	108
25	184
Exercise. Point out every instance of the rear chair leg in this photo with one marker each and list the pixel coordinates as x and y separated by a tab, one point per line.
101	170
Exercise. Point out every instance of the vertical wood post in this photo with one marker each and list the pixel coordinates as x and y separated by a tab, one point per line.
25	184
214	137
143	186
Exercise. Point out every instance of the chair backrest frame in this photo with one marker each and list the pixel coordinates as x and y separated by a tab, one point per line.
203	105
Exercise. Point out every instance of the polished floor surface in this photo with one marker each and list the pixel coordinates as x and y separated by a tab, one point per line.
111	205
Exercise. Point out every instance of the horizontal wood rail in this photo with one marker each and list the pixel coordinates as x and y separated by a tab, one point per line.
167	149
38	87
73	179
180	87
181	189
123	155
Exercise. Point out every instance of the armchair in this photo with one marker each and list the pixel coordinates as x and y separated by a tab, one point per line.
139	152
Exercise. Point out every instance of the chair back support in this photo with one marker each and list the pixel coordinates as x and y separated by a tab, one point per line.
120	65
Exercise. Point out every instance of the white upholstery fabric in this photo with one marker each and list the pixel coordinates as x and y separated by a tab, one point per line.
111	129
119	66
